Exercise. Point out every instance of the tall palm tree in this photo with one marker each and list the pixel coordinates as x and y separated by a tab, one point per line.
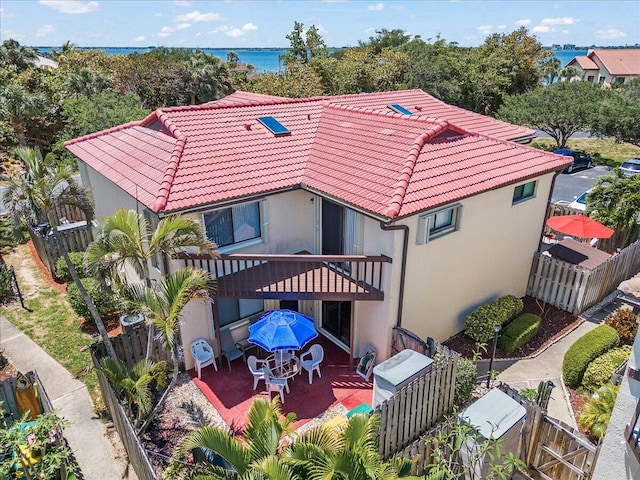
34	195
255	453
125	240
20	106
163	303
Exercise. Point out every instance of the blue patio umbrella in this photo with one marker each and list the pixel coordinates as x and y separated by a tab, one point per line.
282	330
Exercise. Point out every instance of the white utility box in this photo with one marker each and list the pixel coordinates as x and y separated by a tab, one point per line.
396	372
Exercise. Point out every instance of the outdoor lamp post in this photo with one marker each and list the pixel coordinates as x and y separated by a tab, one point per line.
496	330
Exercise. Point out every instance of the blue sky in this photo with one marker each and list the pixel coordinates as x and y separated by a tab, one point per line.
262	23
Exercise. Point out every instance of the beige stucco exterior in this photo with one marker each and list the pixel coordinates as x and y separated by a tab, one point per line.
488	256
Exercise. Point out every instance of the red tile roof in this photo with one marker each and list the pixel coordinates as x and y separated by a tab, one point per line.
619	61
584	62
350	147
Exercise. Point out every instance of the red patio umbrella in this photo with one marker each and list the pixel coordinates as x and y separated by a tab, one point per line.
579	226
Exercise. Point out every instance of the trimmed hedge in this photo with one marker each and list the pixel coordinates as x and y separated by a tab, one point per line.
586	349
105	302
479	324
62	270
600	370
519	332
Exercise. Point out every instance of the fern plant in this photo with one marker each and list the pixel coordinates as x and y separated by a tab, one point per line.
597	411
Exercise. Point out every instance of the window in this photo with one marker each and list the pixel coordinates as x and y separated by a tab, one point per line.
590	78
620	80
231	310
233	225
438	223
524	192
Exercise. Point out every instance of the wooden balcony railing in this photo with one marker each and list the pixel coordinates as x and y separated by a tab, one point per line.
295	277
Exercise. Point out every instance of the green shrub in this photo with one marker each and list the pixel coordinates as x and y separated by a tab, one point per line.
519	332
586	349
625	323
6	284
596	413
479	324
105	302
466	373
62	270
600	370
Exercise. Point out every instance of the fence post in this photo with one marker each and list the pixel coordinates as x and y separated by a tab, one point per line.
15	284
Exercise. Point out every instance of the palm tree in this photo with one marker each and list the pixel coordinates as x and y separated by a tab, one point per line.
205	78
16	57
86	83
597	411
255	453
135	385
20	106
34	195
163	304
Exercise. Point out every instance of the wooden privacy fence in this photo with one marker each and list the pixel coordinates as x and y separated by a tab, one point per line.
573	288
76	238
131	347
135	450
417	407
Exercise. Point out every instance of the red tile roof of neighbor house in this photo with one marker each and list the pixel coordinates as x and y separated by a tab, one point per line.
584	62
351	147
619	61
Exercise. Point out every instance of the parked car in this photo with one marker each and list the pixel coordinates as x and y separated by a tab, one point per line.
630	167
580	203
580	159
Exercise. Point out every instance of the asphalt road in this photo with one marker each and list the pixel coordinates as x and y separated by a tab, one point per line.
569	186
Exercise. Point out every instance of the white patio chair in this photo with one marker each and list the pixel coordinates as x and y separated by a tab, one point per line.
255	367
275	384
317	355
203	355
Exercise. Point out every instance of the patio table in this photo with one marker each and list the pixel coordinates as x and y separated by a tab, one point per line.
285	369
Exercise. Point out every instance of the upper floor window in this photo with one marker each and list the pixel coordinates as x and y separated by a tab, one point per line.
524	191
590	78
438	223
233	225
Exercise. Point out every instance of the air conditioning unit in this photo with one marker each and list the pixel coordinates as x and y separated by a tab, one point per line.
397	372
131	322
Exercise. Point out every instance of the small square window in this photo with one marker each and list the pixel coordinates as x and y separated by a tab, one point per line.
524	192
439	223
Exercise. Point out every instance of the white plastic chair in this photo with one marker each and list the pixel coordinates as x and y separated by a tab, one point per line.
203	355
317	355
275	384
255	367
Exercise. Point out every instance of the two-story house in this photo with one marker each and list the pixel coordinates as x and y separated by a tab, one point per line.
363	211
608	66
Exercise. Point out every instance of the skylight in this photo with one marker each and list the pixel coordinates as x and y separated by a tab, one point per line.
396	107
274	126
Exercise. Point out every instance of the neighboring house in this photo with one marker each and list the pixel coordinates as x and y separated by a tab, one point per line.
608	66
46	63
364	211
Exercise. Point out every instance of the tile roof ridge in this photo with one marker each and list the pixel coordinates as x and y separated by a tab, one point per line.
400	188
174	160
252	103
107	131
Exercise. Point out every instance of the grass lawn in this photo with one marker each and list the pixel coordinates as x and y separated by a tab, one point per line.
51	322
603	151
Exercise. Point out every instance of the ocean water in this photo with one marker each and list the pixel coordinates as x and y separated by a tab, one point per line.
266	59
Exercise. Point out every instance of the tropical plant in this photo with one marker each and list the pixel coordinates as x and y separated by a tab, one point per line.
255	451
618	113
453	458
625	321
39	437
596	413
16	57
104	301
162	304
136	386
602	368
62	271
33	196
21	107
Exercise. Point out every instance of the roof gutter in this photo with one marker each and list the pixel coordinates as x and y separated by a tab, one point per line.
403	265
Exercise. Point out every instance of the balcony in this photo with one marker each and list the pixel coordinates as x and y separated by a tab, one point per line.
294	277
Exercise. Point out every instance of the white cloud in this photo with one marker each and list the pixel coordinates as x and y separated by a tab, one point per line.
165	31
196	16
485	29
182	3
610	34
522	23
159	14
45	30
235	33
70	6
182	26
376	8
1	12
541	29
501	27
559	21
322	30
249	26
139	38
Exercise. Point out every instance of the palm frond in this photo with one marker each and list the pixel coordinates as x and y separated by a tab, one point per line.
213	438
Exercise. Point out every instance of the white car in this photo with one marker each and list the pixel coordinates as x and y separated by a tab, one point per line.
580	203
630	167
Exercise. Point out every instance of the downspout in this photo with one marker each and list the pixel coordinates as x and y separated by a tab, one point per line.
403	266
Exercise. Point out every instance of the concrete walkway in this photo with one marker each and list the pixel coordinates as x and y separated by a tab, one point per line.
87	433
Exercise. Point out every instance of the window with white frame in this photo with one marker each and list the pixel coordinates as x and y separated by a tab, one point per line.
231	310
233	225
524	192
438	223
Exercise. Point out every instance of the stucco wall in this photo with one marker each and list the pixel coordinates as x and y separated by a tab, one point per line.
488	257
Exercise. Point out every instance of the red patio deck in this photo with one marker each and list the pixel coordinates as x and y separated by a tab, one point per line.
231	393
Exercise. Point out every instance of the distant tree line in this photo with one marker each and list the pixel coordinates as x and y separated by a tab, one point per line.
503	77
